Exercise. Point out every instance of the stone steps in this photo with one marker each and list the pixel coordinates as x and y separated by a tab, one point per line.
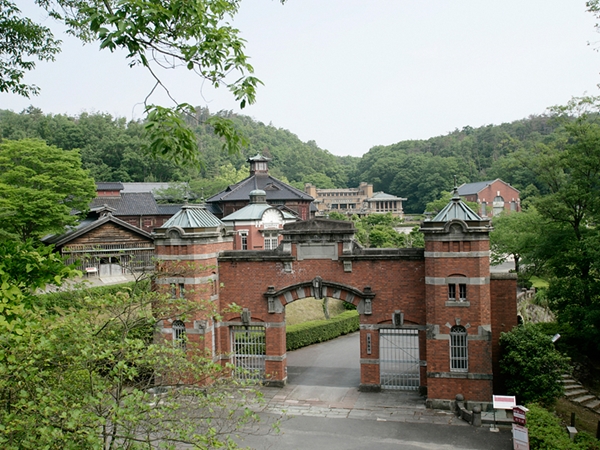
576	393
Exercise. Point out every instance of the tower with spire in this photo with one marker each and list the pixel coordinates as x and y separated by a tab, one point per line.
458	303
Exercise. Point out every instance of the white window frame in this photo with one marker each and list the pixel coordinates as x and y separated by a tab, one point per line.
271	240
244	239
459	349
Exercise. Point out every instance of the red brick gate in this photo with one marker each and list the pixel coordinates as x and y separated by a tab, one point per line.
443	293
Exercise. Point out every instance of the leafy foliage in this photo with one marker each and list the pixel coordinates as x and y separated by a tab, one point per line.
91	377
547	433
569	241
532	365
156	35
24	268
40	187
516	234
83	370
22	41
446	196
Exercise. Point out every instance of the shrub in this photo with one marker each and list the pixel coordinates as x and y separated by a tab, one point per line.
307	333
533	367
71	298
547	433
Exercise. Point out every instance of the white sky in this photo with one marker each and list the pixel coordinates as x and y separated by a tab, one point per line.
351	74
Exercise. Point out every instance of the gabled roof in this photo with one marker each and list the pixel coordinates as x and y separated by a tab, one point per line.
88	225
193	216
275	189
129	204
456	209
475	188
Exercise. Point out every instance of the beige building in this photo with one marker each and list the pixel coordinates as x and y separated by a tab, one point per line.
360	201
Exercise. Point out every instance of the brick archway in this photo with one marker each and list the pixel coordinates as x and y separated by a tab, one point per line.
318	288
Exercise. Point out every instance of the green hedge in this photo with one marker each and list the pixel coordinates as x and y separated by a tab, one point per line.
66	299
307	333
547	433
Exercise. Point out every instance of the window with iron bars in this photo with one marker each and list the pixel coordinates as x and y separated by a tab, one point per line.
179	335
459	356
462	292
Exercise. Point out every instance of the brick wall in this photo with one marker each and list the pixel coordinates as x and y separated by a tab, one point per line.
504	318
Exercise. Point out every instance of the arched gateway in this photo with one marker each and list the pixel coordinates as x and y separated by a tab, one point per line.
429	318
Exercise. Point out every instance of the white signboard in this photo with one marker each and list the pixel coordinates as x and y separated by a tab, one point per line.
520	437
504	402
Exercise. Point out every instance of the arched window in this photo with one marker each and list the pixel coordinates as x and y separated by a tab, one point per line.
459	356
179	337
498	205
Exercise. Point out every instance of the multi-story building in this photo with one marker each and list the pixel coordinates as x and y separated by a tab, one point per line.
360	201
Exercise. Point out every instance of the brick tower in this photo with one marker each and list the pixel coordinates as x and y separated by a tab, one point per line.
458	305
187	248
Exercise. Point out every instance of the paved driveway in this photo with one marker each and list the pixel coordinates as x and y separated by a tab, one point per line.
324	409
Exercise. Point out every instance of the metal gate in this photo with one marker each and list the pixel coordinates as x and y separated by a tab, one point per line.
248	352
399	359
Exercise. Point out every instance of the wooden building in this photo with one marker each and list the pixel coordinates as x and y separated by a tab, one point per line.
104	245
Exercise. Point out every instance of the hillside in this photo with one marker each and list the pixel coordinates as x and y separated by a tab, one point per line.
418	170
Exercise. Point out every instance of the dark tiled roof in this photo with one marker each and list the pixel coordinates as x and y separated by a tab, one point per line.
275	189
133	204
109	186
473	188
168	210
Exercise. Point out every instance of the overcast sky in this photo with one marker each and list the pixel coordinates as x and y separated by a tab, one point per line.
351	74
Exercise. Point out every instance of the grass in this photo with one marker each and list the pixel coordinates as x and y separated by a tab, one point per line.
585	419
311	309
538	283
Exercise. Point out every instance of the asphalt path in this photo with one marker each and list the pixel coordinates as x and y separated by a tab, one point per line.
323	409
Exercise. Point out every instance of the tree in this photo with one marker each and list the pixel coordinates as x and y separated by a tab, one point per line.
533	367
570	239
92	376
445	197
20	41
25	268
156	35
42	188
515	234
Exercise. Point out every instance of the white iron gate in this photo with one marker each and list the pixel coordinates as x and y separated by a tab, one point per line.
399	359
248	349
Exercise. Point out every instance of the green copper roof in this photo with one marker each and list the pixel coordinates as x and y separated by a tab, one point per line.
456	209
193	216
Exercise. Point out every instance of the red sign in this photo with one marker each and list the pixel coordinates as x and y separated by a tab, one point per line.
519	415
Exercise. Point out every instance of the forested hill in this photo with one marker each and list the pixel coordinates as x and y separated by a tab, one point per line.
418	170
